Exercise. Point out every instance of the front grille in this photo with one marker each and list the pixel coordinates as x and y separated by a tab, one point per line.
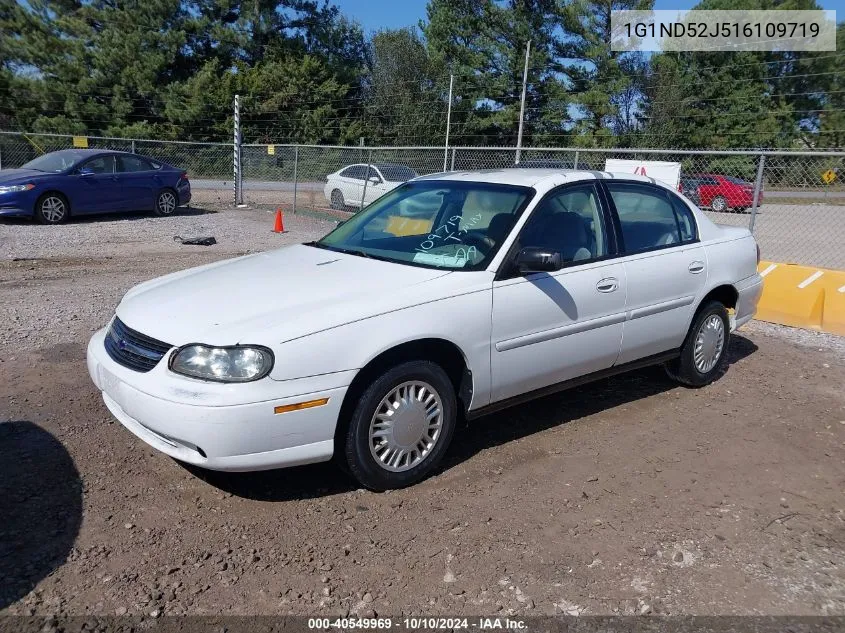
133	349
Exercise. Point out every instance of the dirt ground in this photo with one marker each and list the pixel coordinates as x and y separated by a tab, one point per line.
630	495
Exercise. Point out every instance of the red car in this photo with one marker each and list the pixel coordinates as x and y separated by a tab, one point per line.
723	193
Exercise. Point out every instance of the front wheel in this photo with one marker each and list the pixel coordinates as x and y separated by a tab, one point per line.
51	208
704	351
166	203
402	426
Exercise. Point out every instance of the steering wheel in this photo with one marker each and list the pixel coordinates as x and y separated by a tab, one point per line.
482	244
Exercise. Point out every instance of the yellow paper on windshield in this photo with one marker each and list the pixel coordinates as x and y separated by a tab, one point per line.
400	226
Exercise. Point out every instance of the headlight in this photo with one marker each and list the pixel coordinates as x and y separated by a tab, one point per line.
223	364
14	188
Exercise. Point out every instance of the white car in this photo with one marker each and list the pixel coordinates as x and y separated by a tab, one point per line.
372	343
349	186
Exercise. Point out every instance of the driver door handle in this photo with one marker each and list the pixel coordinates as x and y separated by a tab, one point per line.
696	267
608	284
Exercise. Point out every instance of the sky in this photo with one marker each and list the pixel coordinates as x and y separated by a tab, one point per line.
392	14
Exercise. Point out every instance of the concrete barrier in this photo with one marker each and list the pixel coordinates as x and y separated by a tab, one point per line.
803	296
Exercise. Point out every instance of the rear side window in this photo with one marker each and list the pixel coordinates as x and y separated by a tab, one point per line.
132	163
650	217
350	172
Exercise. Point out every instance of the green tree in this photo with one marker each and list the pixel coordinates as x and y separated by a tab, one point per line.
483	43
603	82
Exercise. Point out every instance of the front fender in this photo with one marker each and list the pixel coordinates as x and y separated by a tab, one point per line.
463	320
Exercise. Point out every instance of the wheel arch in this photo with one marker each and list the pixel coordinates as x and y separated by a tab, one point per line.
726	294
441	351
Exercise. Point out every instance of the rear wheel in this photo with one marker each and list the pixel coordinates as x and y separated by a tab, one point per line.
51	208
705	348
402	426
166	202
337	201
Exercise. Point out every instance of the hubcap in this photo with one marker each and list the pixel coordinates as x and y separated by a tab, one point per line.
166	203
406	426
53	209
709	343
719	204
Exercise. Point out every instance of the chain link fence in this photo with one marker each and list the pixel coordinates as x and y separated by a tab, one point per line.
799	218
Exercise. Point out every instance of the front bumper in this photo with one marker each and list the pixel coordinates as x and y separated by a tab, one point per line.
193	422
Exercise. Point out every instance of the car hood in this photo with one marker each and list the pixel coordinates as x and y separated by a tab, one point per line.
20	176
302	288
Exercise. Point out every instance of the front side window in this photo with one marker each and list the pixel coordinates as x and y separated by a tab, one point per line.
439	224
397	173
569	222
100	165
649	218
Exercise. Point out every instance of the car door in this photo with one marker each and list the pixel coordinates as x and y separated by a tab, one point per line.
95	186
665	266
375	186
550	327
352	183
135	178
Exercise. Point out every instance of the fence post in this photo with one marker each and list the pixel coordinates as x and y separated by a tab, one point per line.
236	152
1	158
452	168
295	174
366	177
757	185
133	145
575	164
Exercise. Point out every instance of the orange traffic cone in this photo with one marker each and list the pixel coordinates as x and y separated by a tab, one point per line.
279	227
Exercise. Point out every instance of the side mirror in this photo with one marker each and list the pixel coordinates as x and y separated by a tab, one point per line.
533	259
374	180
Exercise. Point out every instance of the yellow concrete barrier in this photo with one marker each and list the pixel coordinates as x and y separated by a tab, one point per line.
803	296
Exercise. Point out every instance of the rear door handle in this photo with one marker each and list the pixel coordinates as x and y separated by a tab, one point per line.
608	284
696	267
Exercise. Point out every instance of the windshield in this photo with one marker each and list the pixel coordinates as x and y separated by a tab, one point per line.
55	162
397	173
433	223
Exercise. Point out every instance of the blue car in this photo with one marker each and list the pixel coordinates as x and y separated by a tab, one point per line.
76	182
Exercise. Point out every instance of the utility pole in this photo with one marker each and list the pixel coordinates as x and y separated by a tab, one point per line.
448	123
236	148
522	103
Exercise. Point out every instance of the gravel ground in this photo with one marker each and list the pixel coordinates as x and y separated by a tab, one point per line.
629	495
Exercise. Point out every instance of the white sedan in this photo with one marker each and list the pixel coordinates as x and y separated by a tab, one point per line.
370	344
354	184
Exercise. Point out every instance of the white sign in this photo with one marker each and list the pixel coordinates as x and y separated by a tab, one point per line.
662	170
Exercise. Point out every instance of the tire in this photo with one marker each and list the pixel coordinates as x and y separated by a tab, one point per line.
337	201
719	204
405	458
166	202
710	330
52	208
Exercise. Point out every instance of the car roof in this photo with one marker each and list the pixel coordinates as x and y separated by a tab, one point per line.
528	177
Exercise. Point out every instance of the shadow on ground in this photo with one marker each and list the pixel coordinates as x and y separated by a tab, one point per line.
306	482
119	216
40	507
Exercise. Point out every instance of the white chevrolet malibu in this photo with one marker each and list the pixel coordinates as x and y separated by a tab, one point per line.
452	295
